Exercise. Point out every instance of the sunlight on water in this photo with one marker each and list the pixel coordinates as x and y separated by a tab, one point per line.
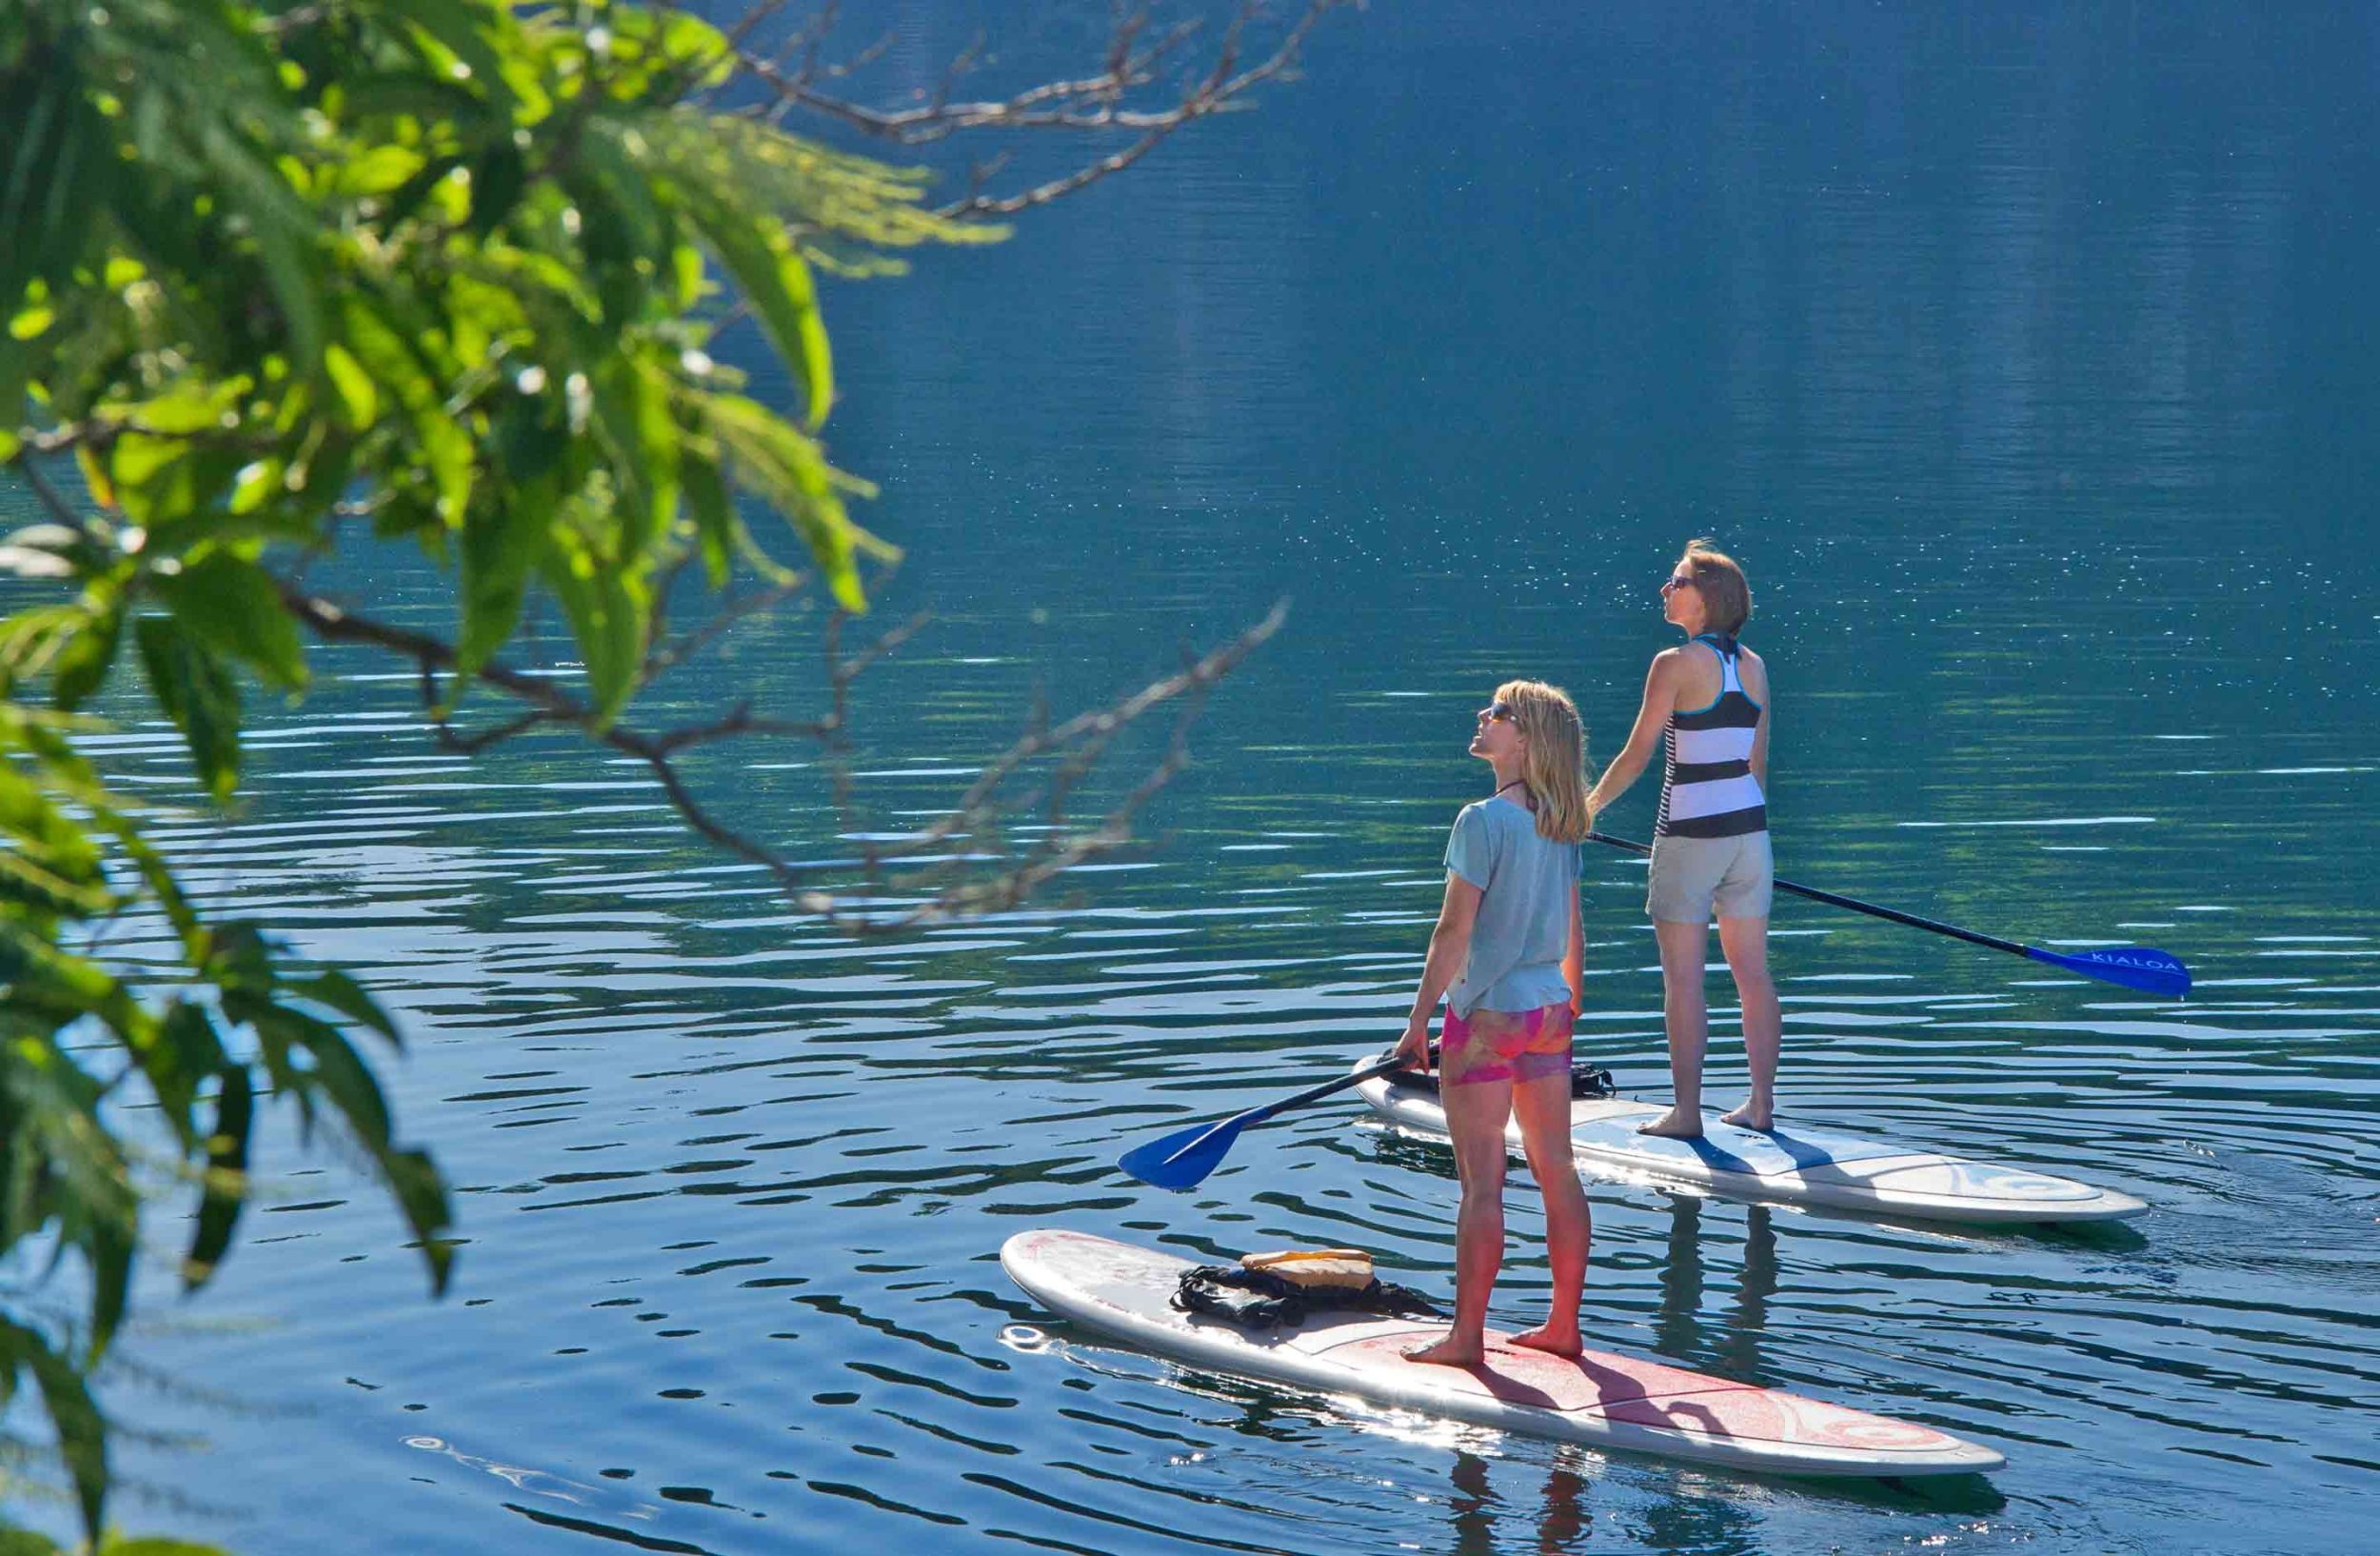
2000	346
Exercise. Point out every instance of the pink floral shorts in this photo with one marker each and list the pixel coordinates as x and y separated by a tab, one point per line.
1505	1045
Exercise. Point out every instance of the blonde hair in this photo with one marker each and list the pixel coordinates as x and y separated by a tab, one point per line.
1720	582
1556	769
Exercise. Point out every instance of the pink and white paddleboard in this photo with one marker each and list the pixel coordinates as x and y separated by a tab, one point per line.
1607	1402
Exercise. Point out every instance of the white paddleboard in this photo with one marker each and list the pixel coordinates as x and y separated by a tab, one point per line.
1789	1166
1605	1401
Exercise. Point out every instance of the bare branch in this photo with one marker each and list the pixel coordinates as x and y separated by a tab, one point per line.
851	669
692	643
1204	673
550	704
841	672
1094	103
738	721
474	744
760	11
52	498
1076	745
978	818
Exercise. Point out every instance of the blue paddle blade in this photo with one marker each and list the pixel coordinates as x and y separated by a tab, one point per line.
2134	967
1182	1160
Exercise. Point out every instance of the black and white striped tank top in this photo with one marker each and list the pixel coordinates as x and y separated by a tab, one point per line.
1707	786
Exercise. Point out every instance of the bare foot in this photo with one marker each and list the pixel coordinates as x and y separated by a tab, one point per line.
1674	1125
1447	1353
1552	1341
1749	1117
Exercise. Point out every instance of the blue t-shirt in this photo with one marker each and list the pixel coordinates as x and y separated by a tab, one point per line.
1523	929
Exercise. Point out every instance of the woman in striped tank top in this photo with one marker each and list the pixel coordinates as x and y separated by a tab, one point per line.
1708	702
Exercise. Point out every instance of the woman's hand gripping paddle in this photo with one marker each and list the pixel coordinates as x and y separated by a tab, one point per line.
2143	967
1182	1159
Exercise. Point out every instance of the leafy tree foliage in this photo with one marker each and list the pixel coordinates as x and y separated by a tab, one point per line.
448	268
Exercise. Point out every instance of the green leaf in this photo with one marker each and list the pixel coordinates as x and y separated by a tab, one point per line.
53	864
107	1248
748	237
377	171
232	605
453	34
87	653
158	876
258	483
81	1432
422	1195
173	475
51	980
16	371
444	447
686	272
780	463
354	385
632	406
199	696
226	1191
608	606
497	180
336	1071
718	526
183	1054
500	543
351	998
282	226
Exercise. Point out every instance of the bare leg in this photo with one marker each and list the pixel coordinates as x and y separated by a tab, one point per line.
1745	943
1543	1108
1476	1115
1684	946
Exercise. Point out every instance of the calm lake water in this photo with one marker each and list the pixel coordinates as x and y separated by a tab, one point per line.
2025	355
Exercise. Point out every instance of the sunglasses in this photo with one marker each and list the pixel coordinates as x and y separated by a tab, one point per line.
1499	712
1673	583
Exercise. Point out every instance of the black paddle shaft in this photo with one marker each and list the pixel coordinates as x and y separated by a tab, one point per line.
1257	1115
1855	904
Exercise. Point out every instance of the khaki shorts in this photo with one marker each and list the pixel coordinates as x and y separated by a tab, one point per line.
1693	876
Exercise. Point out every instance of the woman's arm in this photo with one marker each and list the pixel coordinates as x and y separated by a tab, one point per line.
1660	697
1450	947
1764	695
1574	961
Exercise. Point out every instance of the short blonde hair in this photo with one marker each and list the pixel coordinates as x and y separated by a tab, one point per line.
1721	582
1556	768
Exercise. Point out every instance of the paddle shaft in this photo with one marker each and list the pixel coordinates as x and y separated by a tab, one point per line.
1832	899
1257	1115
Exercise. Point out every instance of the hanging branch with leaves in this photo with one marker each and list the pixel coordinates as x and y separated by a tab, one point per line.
284	280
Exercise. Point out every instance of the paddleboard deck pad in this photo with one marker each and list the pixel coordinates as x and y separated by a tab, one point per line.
1607	1402
1789	1165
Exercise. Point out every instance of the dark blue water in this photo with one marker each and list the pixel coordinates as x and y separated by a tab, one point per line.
2024	354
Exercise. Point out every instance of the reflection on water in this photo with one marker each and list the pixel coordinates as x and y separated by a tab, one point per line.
1478	1525
1730	1347
2015	349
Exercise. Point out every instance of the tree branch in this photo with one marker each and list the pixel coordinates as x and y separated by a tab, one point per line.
694	642
1079	744
1094	103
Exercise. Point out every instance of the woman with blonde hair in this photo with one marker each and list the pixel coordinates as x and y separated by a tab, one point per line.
1707	702
1507	958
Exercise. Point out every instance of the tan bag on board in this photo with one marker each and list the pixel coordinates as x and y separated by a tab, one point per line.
1350	1269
